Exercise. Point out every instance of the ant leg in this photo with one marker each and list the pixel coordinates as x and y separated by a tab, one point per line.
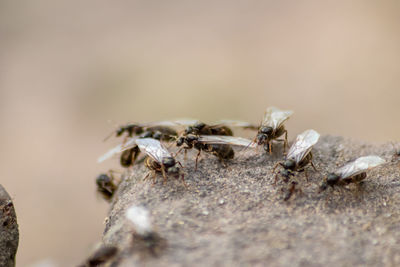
197	158
276	166
183	180
285	144
147	176
223	163
179	151
163	174
180	164
275	179
315	169
270	147
290	191
306	174
111	174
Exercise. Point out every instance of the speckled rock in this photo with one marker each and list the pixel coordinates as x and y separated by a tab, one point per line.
237	216
9	235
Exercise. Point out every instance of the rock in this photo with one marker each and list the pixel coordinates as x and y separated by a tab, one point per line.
9	235
236	216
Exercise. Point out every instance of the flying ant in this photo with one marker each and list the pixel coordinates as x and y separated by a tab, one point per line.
159	159
353	172
107	185
299	154
136	129
219	146
129	156
200	128
272	128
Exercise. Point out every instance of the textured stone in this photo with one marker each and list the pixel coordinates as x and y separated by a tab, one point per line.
237	216
9	235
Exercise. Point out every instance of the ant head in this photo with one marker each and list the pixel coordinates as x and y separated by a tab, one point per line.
332	179
191	138
199	125
157	135
285	173
136	129
189	130
266	130
289	164
180	141
260	138
173	170
146	134
120	131
168	162
102	179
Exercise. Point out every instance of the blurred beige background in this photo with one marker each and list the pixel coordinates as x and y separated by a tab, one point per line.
67	67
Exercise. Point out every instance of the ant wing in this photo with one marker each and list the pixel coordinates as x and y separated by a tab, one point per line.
131	142
173	123
303	145
236	123
226	140
359	165
274	117
153	148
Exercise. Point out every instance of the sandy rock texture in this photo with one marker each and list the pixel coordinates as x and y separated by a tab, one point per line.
236	216
9	235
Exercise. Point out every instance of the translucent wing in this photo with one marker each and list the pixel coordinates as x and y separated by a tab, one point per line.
226	140
303	144
274	117
359	165
235	123
173	123
153	148
131	142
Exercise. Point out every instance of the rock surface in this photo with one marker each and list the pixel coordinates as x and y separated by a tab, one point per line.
236	216
9	235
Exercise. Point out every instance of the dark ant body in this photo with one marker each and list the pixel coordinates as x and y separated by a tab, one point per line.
299	155
168	166
101	256
352	172
201	128
106	185
131	129
221	151
159	159
272	128
266	134
128	157
290	166
162	133
334	179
